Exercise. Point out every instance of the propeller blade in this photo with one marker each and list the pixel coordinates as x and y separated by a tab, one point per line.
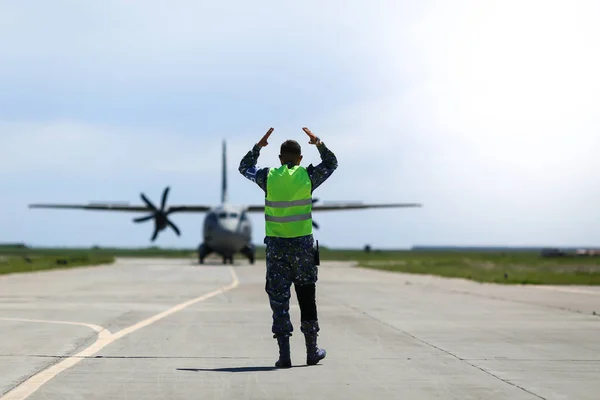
148	202
142	219
172	225
315	225
164	198
154	235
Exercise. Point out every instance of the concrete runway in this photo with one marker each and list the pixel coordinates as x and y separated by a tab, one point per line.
168	329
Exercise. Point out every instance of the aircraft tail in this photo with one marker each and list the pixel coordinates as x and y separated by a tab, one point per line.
224	176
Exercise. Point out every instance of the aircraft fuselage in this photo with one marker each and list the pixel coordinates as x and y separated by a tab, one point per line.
227	230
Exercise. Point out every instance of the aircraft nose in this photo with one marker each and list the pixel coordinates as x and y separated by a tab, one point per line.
229	225
228	234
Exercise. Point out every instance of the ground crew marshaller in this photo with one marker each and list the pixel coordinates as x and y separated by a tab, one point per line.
290	251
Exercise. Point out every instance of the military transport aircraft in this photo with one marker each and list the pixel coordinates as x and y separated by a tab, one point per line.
227	229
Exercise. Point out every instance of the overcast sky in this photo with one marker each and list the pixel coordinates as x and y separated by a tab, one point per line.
484	111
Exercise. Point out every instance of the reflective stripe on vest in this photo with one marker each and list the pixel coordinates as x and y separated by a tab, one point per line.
284	204
289	218
288	204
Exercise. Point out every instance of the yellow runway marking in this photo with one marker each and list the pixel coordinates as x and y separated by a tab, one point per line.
28	387
99	329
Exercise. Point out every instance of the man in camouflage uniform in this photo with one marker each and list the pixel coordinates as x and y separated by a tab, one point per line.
292	259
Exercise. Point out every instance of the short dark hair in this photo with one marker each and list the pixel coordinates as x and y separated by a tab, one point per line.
290	148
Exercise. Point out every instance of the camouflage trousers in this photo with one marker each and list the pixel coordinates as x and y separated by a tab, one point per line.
291	261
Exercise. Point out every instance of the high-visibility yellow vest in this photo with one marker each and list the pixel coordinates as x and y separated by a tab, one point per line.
288	203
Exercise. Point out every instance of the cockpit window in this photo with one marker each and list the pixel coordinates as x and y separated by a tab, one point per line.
224	215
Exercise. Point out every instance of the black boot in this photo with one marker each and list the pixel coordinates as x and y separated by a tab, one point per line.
313	353
284	352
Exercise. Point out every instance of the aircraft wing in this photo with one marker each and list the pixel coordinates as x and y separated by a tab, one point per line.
344	206
189	209
95	206
360	206
121	207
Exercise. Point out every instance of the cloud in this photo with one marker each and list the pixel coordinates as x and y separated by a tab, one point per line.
96	151
225	46
183	66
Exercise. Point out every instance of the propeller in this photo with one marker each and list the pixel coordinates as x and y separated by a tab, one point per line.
161	221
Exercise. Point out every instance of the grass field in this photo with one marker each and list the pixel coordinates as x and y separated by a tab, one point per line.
510	268
498	267
10	264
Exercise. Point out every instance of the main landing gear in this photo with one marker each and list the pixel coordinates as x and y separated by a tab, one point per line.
250	252
203	251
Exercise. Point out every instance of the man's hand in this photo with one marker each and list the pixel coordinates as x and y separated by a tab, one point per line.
263	142
313	138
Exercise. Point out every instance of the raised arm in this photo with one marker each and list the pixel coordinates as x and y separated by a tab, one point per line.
248	164
321	172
